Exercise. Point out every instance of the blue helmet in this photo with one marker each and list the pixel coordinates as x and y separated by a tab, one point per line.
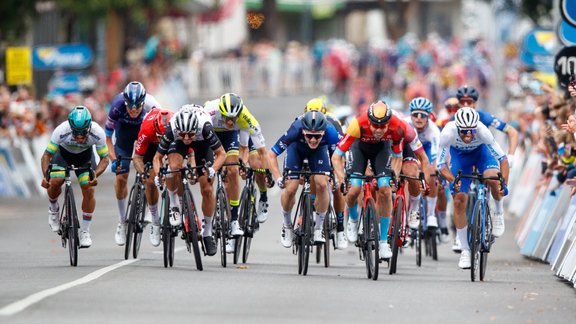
422	104
80	120
134	94
467	92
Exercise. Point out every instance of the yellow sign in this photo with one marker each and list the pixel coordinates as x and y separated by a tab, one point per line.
18	65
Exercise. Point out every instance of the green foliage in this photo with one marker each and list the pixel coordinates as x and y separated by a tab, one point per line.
14	18
136	9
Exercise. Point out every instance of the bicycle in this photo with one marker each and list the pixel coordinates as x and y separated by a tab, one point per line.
480	236
222	215
247	217
399	230
304	233
136	212
69	224
168	232
431	235
191	225
369	236
330	225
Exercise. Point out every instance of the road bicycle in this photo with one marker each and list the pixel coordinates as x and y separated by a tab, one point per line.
480	236
69	223
330	227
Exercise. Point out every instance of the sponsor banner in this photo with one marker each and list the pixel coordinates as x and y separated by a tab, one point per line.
568	11
67	56
18	66
567	33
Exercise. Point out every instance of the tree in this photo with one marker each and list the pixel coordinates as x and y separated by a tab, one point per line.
271	19
15	17
396	16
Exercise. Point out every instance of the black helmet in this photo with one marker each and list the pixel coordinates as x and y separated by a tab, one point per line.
467	93
314	121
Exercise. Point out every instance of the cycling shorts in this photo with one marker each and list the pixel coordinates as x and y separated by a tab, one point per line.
63	158
378	154
465	161
202	152
318	159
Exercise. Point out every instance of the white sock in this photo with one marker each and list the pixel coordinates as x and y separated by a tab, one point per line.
431	205
442	219
207	226
86	221
287	217
122	210
499	206
174	198
462	234
414	202
154	211
54	206
319	220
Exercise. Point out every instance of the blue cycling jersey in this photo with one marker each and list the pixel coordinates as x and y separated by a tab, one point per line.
294	135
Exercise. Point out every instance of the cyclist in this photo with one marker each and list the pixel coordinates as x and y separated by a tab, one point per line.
151	131
470	143
191	128
124	119
368	138
318	104
307	138
429	135
71	144
238	130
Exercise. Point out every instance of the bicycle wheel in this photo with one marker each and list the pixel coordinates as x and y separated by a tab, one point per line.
131	220
418	244
372	235
139	223
327	236
191	227
249	227
474	239
73	227
243	215
221	222
396	233
306	237
487	230
167	237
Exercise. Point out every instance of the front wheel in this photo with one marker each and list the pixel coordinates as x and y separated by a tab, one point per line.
221	224
396	233
372	236
73	228
167	237
191	228
139	223
474	239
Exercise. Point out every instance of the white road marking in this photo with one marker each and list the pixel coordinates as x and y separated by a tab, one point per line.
22	304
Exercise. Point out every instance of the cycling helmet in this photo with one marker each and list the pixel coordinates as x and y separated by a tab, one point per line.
80	120
467	93
467	118
134	94
379	113
185	120
314	121
230	105
162	120
315	104
421	104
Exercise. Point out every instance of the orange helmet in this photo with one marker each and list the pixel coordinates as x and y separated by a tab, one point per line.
162	120
379	113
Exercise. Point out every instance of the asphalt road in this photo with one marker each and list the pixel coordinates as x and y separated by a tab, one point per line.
37	285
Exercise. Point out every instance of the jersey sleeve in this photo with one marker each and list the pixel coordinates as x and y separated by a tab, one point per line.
210	136
332	137
352	134
487	138
446	139
434	141
55	139
291	135
411	137
113	115
142	142
150	102
101	147
492	121
166	140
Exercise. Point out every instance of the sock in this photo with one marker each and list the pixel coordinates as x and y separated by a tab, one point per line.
234	209
54	204
353	213
442	219
264	194
462	234
340	220
174	199
122	210
384	226
86	220
499	206
431	205
319	220
287	217
312	198
414	202
154	211
207	226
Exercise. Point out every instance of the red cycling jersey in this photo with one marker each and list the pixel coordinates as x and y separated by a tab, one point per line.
398	132
147	133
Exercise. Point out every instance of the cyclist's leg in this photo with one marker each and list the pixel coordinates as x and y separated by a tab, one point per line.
384	195
55	189
489	167
152	196
359	161
176	153
229	141
88	199
463	162
319	160
257	159
432	197
411	168
121	180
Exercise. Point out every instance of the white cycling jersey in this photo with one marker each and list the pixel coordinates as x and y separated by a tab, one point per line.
449	137
62	136
203	118
430	137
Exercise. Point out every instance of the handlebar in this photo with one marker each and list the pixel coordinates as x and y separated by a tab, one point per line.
69	168
477	176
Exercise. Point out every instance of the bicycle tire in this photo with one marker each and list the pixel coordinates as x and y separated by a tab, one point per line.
487	230
434	243
130	220
249	227
243	216
139	223
190	227
475	242
373	237
307	235
396	230
327	236
221	224
73	227
167	238
418	244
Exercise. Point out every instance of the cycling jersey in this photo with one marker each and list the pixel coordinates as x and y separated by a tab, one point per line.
245	124
62	137
294	135
332	120
147	134
398	132
430	138
119	115
490	121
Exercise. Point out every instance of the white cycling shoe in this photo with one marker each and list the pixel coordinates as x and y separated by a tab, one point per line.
85	240
384	250
235	229
120	236
287	234
414	219
352	231
262	211
341	241
498	225
464	262
155	235
53	219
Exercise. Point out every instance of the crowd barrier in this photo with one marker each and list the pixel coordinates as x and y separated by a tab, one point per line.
547	212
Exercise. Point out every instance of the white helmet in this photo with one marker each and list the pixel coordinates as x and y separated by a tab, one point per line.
466	117
186	120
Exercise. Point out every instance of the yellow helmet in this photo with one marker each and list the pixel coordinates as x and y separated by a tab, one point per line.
315	104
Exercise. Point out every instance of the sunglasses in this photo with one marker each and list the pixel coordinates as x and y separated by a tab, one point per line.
187	135
420	114
379	126
232	119
467	100
135	107
82	132
464	131
452	106
313	135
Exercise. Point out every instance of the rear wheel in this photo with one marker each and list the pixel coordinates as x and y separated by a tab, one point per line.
474	238
327	236
396	233
487	242
243	216
73	227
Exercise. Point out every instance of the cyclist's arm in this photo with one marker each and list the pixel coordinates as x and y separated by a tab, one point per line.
447	136
243	153
273	164
487	138
338	164
138	163
512	139
45	162
215	144
102	165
